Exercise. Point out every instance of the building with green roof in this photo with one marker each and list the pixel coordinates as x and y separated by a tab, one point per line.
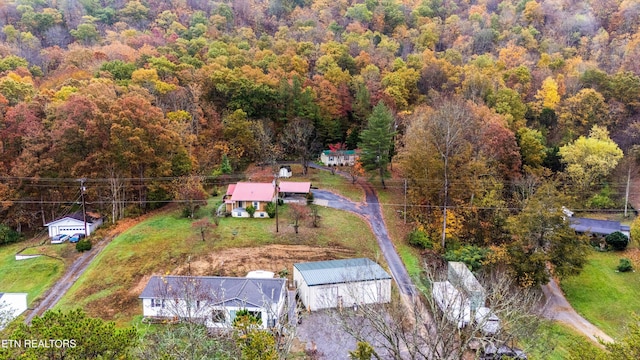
337	283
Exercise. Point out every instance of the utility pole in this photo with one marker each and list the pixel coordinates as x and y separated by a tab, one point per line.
626	197
405	201
84	212
277	198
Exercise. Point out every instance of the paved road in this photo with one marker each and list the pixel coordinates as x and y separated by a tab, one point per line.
72	273
370	211
558	308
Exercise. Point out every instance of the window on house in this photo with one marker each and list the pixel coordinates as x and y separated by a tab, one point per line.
256	204
218	316
157	303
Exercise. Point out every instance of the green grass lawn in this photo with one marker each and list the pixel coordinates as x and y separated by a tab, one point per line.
603	296
555	340
110	287
33	276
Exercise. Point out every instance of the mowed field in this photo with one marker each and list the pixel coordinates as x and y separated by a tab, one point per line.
169	244
604	296
33	276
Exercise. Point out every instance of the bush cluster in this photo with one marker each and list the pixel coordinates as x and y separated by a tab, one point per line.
420	239
83	245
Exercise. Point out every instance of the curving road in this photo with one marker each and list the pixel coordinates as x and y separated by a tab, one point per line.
558	308
371	212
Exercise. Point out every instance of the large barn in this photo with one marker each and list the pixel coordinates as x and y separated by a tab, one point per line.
336	283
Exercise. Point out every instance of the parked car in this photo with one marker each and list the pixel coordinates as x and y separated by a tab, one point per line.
76	237
491	352
59	239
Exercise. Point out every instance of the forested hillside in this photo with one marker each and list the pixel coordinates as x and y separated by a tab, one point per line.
135	95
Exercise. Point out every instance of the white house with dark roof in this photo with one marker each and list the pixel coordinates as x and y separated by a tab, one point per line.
74	223
11	306
243	194
336	283
597	226
214	300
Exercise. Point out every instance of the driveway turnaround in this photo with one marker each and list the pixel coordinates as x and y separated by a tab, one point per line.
370	211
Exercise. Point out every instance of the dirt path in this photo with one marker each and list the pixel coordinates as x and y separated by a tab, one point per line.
558	308
71	274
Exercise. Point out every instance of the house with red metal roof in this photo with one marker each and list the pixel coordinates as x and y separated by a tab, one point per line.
244	194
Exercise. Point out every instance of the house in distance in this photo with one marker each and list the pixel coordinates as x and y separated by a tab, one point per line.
74	223
339	157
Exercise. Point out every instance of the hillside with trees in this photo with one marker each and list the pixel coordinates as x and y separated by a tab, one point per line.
490	103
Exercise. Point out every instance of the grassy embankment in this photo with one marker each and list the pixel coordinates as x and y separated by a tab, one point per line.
392	212
163	243
561	339
33	276
604	296
338	184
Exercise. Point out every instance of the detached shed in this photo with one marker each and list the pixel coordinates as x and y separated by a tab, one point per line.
336	283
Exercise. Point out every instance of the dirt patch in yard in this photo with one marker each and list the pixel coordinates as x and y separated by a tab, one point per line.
124	304
239	261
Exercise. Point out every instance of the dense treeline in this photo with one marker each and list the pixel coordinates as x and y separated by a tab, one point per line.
130	92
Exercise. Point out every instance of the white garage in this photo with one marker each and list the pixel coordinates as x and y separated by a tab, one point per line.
74	223
337	283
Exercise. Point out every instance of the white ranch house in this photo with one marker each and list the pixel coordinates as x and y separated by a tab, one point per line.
74	223
337	283
214	300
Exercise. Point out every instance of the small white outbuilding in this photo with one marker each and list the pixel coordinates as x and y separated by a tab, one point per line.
11	306
336	283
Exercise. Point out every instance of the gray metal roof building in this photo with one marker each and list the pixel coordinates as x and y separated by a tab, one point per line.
340	271
596	226
222	291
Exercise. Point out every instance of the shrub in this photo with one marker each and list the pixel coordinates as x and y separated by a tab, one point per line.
635	229
8	235
310	198
420	239
625	265
617	240
83	245
251	210
473	256
602	200
271	209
